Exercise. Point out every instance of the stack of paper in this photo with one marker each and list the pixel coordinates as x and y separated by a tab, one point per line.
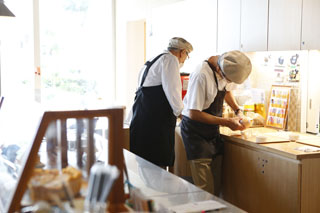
201	206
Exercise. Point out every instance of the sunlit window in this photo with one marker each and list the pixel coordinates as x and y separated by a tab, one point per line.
16	51
75	53
75	47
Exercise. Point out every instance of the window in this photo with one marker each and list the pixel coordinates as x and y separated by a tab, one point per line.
76	53
16	51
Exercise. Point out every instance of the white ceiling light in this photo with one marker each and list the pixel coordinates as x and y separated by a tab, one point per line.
4	11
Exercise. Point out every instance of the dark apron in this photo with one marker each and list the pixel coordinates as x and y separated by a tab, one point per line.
153	124
203	140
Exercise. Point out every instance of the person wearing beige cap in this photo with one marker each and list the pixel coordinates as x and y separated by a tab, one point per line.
209	86
158	103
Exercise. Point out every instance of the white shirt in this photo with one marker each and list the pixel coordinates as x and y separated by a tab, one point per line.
165	72
202	88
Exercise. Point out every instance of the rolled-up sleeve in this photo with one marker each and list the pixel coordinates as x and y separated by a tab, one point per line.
171	83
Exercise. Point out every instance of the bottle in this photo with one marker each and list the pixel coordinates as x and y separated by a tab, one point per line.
248	109
260	109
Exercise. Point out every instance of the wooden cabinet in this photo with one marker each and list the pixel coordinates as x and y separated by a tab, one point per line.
292	25
258	181
228	25
310	185
310	32
284	24
271	177
224	25
254	25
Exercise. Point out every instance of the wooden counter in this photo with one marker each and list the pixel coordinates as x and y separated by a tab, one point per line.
270	177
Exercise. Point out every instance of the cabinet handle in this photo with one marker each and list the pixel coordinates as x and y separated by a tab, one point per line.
310	103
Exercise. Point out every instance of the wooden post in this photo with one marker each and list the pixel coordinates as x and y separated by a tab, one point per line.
63	143
52	145
91	158
79	142
116	196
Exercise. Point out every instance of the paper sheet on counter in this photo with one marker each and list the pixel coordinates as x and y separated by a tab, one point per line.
284	134
308	149
200	206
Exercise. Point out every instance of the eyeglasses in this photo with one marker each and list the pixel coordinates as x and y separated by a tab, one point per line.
187	55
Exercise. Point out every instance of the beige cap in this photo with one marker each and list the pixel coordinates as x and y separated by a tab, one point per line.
235	65
180	43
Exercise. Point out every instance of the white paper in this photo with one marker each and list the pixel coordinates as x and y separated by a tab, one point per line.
285	135
308	149
197	206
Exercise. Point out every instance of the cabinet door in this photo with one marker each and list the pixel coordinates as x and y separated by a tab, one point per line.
258	181
254	25
310	25
284	24
313	105
228	25
310	185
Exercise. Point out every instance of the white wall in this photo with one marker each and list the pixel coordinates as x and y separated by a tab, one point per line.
193	20
263	75
196	21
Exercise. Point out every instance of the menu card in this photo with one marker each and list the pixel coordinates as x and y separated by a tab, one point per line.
278	106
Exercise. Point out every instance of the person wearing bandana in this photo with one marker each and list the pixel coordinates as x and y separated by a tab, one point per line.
209	86
158	103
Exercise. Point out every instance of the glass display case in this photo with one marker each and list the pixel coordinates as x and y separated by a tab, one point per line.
61	146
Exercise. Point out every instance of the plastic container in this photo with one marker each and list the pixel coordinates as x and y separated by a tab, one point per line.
246	134
260	109
184	81
294	136
248	108
261	138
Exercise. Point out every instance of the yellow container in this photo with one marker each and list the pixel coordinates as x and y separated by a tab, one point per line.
260	109
248	108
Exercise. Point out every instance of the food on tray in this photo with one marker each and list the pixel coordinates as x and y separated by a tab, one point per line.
48	184
253	120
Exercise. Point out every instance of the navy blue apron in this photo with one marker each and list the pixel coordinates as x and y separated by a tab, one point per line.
153	124
203	140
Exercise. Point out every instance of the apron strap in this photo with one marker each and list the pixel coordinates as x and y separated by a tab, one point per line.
214	73
149	64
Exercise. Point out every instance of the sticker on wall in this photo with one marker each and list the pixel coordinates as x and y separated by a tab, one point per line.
279	75
294	59
294	75
280	60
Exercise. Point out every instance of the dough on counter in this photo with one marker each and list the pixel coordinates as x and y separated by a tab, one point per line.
247	122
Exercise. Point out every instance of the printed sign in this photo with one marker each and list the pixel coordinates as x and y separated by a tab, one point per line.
278	106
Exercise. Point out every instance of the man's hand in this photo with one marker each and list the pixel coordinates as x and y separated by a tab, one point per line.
240	114
234	124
